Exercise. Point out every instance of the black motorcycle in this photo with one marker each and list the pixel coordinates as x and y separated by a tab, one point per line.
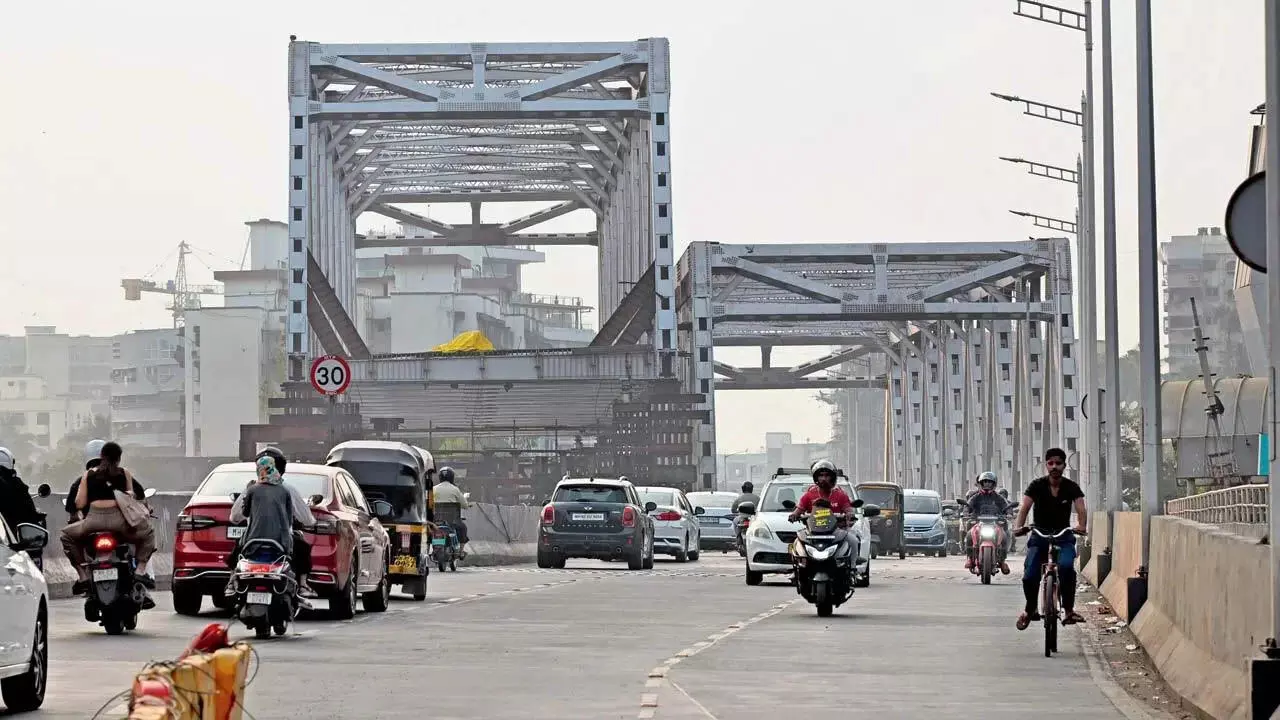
265	588
114	596
823	557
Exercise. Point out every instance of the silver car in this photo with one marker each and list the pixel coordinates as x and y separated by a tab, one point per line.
717	522
675	522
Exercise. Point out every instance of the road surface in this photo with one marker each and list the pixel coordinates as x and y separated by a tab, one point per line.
598	641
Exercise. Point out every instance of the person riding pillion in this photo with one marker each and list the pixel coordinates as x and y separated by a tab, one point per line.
823	488
748	495
92	458
1052	498
446	492
95	500
986	502
271	507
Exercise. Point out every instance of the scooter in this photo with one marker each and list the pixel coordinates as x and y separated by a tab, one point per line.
114	595
740	525
823	557
445	549
266	589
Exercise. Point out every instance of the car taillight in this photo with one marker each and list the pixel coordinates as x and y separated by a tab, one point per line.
325	524
548	515
628	517
104	543
668	516
195	522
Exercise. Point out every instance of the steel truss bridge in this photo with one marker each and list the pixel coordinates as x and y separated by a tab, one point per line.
972	344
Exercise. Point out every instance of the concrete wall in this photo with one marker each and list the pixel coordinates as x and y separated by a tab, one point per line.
1099	531
1126	557
1207	610
500	535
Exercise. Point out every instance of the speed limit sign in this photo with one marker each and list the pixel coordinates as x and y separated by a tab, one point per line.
330	375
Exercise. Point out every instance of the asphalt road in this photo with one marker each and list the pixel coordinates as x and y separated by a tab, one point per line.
597	641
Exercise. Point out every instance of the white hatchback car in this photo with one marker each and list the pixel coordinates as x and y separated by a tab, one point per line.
24	619
675	522
770	534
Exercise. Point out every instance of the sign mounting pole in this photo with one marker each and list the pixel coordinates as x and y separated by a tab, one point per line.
331	376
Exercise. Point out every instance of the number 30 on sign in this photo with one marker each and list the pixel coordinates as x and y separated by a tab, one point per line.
330	375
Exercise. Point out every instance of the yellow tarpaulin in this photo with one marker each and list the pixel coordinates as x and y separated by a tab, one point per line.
469	341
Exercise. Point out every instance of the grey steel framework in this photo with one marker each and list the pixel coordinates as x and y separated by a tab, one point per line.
978	337
574	125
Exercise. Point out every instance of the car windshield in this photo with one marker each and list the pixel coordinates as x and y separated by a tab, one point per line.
777	492
590	494
922	504
223	483
665	498
711	500
884	498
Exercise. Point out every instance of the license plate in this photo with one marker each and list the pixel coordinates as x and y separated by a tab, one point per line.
588	517
258	598
439	541
913	536
235	533
704	520
106	574
405	564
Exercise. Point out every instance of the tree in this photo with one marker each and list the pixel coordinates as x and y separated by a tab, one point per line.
66	461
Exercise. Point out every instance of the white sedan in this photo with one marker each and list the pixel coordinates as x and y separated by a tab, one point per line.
676	531
771	533
24	619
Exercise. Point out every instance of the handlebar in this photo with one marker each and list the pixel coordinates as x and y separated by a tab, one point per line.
1026	529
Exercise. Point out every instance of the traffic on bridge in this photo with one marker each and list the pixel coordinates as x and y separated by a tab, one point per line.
844	440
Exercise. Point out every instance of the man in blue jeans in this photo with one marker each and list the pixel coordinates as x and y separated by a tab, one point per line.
1052	497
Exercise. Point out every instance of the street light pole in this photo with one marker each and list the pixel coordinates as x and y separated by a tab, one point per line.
1111	324
1272	23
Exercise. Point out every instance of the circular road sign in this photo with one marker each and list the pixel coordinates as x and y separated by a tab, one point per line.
1247	222
330	375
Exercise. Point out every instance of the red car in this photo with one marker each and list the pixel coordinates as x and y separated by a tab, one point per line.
348	543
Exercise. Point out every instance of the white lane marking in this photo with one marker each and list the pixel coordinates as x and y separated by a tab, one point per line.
660	676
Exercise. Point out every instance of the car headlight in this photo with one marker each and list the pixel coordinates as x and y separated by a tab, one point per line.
987	533
937	524
762	531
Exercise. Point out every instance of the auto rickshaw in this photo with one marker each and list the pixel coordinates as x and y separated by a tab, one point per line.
394	472
886	529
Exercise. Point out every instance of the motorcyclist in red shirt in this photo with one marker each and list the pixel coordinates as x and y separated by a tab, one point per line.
823	488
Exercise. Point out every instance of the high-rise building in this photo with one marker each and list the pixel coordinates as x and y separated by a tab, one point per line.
1203	267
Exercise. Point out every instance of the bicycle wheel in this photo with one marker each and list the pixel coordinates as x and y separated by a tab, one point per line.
1049	610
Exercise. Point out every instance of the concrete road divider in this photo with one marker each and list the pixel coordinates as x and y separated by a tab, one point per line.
500	535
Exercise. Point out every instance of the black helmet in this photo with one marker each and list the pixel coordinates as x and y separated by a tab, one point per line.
275	454
823	466
748	487
446	474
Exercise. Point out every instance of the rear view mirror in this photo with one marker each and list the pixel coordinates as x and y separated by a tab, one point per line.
650	506
870	511
789	504
382	509
149	492
858	503
31	537
44	490
699	511
747	508
316	499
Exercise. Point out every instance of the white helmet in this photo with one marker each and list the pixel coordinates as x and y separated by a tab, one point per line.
6	459
93	450
988	476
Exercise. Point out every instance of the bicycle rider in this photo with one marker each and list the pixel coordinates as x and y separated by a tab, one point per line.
1052	497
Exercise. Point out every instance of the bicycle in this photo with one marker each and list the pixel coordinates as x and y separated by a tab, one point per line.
1049	588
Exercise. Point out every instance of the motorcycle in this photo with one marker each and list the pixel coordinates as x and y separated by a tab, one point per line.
987	538
740	525
822	555
114	596
445	549
265	589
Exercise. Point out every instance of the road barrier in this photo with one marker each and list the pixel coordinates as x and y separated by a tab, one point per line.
499	534
1241	509
1207	609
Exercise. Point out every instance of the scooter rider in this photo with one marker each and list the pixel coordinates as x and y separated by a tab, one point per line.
271	507
985	502
447	492
748	496
824	488
16	506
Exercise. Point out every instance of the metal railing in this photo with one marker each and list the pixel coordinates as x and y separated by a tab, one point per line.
1240	505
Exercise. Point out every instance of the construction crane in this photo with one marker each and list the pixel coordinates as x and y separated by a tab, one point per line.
185	296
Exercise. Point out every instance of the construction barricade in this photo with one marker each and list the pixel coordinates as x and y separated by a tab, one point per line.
206	683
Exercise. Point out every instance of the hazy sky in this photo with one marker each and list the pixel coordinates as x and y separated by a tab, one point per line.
130	126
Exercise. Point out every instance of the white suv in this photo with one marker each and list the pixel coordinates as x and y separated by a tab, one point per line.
24	619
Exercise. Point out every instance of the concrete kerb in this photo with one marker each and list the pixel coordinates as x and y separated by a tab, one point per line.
500	535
